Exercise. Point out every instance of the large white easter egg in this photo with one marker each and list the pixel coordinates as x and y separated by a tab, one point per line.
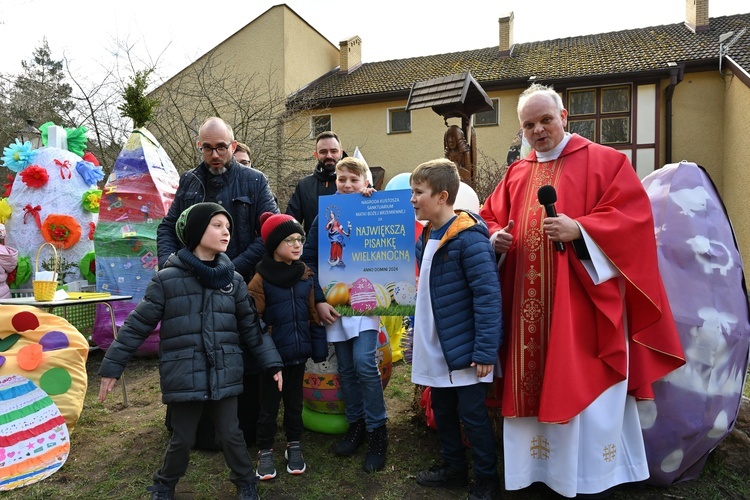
405	294
34	440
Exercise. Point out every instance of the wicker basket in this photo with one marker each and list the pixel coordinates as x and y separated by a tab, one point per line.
45	290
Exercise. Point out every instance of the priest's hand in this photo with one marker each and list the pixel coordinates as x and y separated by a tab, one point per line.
561	228
503	239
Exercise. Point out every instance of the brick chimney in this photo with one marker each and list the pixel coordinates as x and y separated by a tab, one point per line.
350	55
506	34
696	15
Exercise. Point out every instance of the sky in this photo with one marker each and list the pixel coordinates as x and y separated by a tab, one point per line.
173	33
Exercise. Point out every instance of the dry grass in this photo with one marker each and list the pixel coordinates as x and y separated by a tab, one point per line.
114	451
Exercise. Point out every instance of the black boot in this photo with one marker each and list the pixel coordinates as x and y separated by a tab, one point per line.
354	437
377	446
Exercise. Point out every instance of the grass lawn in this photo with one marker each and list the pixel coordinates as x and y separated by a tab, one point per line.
115	450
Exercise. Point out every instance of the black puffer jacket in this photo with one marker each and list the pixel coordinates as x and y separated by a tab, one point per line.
303	205
244	193
200	358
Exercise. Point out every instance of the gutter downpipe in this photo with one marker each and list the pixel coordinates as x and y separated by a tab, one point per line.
676	74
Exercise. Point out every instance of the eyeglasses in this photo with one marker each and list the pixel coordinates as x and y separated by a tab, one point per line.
220	149
299	240
244	162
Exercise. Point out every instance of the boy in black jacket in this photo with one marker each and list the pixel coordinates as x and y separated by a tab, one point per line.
204	309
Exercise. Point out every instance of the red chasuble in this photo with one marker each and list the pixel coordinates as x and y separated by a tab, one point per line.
565	337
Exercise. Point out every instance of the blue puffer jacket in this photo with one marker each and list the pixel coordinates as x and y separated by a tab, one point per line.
465	292
291	318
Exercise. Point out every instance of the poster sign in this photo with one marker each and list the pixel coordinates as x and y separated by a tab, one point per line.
366	260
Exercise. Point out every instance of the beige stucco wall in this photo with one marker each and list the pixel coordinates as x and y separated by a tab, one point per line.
698	123
736	147
280	45
365	126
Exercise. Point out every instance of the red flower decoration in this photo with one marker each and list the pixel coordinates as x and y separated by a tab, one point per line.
34	176
313	380
8	186
89	156
63	231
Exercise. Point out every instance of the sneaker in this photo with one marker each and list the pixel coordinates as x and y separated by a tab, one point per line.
353	438
295	463
160	491
266	468
443	477
485	489
377	446
248	491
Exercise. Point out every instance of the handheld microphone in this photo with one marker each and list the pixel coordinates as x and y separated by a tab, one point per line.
548	196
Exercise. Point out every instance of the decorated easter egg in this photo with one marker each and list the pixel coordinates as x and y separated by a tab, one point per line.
328	287
338	295
405	294
389	288
382	296
35	441
363	296
48	351
321	387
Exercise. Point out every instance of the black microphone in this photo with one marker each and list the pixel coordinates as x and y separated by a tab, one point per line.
548	196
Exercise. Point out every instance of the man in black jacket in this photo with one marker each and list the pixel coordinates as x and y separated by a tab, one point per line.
243	192
303	205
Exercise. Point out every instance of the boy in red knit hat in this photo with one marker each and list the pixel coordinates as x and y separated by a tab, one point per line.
283	291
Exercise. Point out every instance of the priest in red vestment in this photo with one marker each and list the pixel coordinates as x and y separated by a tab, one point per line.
583	321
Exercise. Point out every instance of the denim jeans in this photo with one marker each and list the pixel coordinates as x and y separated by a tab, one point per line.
453	405
360	379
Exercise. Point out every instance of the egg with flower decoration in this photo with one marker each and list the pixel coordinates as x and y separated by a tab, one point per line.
362	295
405	294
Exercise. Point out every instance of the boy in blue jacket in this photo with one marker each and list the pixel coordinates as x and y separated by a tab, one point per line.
457	328
285	298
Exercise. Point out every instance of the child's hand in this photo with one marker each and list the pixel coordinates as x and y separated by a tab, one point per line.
278	378
327	313
106	387
367	191
483	370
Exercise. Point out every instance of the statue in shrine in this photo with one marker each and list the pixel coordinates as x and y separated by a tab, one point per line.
458	150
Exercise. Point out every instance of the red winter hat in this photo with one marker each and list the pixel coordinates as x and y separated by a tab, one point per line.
274	228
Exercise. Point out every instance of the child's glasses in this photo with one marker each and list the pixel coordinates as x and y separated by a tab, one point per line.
299	240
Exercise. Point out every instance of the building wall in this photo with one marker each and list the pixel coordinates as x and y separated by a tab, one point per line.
698	123
366	125
736	147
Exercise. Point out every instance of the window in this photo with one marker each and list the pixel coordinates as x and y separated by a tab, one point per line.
601	114
318	124
399	120
487	118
